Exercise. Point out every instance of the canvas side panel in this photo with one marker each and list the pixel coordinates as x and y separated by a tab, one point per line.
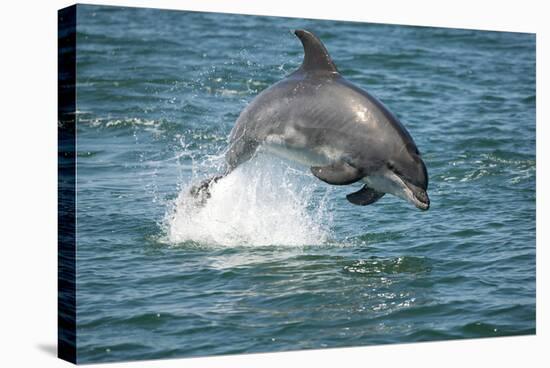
66	184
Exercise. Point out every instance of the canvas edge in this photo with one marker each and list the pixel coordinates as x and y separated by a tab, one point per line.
66	184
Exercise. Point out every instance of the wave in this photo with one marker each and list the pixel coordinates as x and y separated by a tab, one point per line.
378	267
263	202
112	123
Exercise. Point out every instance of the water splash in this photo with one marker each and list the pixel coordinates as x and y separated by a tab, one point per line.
263	202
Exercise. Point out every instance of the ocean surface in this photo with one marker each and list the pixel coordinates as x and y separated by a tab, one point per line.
278	260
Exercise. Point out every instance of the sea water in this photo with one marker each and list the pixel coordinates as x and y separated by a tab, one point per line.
277	260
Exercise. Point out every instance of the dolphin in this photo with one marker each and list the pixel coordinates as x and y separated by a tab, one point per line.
344	135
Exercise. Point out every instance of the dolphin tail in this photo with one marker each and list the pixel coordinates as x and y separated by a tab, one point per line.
201	191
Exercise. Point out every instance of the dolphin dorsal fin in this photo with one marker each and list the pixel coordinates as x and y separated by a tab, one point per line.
316	57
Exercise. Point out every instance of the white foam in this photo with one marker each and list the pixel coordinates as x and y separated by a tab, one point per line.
263	202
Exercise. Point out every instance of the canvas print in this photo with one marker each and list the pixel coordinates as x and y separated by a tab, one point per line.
237	184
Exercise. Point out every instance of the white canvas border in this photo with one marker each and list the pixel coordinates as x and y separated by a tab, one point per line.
28	141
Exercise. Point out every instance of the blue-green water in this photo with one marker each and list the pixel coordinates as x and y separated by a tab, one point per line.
278	260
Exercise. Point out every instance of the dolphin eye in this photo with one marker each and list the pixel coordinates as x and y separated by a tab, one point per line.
391	167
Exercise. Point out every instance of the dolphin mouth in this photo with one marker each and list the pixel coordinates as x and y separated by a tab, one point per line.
417	196
410	192
413	193
421	200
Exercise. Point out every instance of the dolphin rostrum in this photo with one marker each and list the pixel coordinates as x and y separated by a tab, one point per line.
344	134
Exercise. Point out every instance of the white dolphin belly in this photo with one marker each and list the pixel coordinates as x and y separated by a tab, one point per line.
298	151
299	155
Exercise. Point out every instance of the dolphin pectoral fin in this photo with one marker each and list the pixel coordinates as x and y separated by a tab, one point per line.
340	173
364	196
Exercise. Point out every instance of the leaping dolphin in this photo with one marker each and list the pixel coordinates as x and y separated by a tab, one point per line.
344	134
